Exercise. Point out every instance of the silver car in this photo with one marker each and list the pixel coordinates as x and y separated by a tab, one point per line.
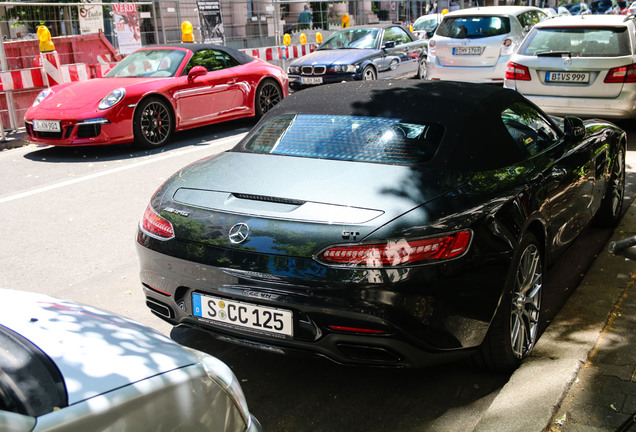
69	367
578	65
475	44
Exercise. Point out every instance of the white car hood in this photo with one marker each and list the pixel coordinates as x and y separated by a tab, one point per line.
94	350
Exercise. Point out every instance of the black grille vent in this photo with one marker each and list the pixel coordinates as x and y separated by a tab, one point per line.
269	199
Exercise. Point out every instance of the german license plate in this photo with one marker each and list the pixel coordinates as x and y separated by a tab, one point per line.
240	315
47	126
311	80
578	77
467	51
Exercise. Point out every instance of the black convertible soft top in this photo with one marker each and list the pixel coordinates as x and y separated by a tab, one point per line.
475	137
239	56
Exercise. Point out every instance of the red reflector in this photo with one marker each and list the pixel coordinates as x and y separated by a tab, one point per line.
398	252
166	293
621	74
507	42
356	330
155	225
517	72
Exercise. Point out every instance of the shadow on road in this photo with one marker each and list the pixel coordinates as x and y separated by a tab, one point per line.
191	137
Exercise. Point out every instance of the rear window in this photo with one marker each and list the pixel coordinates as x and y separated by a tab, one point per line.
473	27
347	138
578	41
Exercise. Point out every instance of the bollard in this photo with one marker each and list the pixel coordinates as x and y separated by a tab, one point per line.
49	57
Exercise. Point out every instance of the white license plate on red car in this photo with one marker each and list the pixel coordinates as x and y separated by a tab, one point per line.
241	315
311	80
577	77
47	126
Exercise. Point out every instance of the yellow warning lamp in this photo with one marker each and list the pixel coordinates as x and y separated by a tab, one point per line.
444	11
303	38
345	20
319	37
411	28
287	39
186	32
44	35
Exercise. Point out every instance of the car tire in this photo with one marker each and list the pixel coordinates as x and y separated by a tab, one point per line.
153	123
421	69
268	94
369	74
514	329
611	207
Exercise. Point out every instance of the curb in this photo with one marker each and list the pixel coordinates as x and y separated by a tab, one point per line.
534	392
14	140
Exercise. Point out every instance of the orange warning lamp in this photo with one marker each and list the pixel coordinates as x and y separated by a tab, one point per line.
319	37
345	20
303	39
186	32
44	35
287	39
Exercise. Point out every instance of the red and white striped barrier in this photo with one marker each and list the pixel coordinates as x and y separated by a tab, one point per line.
36	77
51	68
281	53
21	79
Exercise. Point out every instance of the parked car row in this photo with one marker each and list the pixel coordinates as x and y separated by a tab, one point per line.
397	223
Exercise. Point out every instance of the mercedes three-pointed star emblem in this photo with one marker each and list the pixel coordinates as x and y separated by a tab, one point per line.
238	233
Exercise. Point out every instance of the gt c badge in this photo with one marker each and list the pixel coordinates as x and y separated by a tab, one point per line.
238	233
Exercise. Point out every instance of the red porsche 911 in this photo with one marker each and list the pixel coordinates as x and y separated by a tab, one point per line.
153	92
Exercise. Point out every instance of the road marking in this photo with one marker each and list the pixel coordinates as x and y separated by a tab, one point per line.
48	188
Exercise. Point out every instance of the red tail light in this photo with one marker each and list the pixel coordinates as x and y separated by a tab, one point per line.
517	72
356	330
622	74
398	252
156	226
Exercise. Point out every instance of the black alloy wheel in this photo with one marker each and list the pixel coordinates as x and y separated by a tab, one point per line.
611	207
153	123
514	329
268	95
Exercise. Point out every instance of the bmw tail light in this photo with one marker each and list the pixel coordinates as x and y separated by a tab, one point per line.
622	74
397	252
515	71
156	226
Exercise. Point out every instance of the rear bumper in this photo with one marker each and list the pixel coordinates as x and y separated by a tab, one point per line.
622	107
489	75
422	322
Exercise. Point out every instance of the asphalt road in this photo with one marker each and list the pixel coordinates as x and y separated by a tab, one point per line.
69	218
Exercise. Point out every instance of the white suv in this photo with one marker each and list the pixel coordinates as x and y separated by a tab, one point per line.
578	65
475	44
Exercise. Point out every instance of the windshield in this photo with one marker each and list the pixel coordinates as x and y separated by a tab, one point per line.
149	63
352	39
578	41
347	138
428	24
474	27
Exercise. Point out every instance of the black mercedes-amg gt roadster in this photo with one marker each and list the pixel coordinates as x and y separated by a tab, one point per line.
388	223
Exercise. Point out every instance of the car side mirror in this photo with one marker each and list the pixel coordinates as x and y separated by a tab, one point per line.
196	71
574	128
389	44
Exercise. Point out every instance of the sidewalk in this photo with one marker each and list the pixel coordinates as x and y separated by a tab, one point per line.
13	140
581	375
